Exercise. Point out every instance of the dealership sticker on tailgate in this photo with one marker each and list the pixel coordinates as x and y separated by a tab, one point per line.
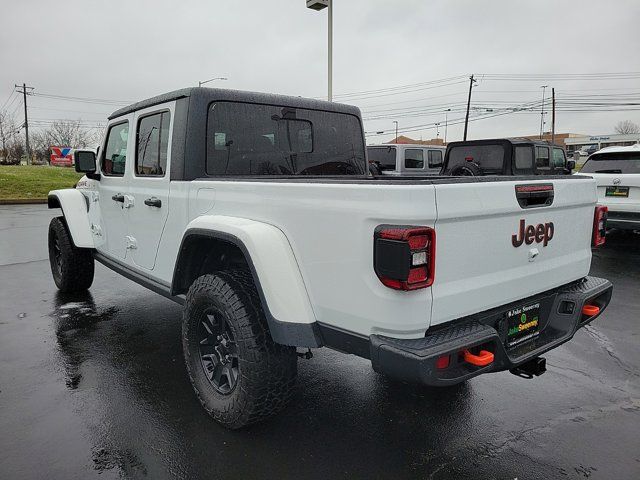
617	192
522	323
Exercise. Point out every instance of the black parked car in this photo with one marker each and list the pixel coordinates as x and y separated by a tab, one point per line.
505	156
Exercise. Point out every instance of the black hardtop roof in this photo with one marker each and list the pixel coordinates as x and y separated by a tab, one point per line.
511	140
202	95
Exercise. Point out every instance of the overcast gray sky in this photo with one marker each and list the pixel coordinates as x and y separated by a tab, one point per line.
130	50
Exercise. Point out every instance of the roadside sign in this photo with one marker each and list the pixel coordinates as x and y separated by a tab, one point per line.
62	156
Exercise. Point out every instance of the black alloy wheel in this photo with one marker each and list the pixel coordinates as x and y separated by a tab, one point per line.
218	352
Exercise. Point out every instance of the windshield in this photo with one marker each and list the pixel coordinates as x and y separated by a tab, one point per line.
490	158
253	139
384	157
620	162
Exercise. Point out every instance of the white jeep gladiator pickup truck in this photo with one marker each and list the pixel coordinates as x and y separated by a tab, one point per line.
258	214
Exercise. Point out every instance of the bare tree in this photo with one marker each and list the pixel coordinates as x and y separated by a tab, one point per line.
68	133
63	133
8	132
626	127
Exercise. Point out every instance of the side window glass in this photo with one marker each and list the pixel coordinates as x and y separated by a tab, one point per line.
524	158
435	159
542	157
152	144
115	153
413	158
559	160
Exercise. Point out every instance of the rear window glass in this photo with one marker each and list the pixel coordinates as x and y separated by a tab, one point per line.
490	158
621	162
252	139
384	157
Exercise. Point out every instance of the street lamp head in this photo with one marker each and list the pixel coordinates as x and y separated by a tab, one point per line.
317	4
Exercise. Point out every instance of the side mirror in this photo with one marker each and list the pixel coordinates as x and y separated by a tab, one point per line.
571	165
85	162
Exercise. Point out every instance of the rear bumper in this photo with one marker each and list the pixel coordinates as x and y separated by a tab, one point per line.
415	360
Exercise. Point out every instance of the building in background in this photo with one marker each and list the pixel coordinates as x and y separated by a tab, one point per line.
403	140
600	141
570	141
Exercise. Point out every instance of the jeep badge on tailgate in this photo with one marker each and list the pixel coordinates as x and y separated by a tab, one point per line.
541	233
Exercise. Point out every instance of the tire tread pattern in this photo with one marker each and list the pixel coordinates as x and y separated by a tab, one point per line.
267	370
77	263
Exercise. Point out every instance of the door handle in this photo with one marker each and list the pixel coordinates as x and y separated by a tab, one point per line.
153	202
118	197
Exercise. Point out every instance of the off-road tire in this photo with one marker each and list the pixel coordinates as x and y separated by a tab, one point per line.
72	268
266	370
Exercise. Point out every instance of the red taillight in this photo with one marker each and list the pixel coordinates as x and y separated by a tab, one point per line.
404	257
599	225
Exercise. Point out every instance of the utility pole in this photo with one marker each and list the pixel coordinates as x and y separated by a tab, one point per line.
544	87
396	122
446	115
466	119
26	119
553	116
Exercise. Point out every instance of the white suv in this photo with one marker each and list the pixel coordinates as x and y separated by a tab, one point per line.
617	172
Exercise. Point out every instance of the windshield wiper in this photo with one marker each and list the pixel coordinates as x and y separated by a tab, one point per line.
613	170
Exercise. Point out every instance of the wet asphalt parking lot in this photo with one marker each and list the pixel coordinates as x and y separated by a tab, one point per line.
94	386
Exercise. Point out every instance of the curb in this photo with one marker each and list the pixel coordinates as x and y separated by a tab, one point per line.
22	201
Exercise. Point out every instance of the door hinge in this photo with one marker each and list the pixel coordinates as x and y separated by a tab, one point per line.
131	242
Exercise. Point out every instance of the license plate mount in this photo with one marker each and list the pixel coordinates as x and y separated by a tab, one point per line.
523	323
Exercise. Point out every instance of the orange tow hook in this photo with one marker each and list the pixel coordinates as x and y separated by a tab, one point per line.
483	359
590	310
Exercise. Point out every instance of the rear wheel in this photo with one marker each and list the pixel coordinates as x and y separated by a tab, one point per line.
239	374
72	268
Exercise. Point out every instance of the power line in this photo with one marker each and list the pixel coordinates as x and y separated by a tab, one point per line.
101	101
7	100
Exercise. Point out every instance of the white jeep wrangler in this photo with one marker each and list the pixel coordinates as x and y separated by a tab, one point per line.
258	214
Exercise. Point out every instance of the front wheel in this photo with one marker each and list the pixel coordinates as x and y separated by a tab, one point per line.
72	268
240	375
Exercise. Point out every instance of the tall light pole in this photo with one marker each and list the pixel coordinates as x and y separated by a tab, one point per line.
543	87
211	80
438	130
396	122
446	114
321	5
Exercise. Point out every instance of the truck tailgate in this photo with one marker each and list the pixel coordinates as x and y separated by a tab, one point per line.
479	262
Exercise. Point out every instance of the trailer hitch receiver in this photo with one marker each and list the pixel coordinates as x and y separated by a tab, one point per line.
530	369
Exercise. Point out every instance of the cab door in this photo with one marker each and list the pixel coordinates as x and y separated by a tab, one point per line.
149	185
108	209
